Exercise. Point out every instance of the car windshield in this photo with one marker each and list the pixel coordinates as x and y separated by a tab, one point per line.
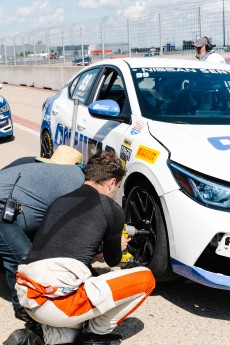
183	95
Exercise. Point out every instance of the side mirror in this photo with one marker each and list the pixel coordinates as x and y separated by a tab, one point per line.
107	109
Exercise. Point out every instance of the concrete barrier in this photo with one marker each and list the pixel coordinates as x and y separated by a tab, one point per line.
47	77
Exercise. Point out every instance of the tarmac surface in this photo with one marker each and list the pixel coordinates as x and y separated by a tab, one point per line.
179	313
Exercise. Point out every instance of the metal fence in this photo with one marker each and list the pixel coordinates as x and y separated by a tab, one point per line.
162	30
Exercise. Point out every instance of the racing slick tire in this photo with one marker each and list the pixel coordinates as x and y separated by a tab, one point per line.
46	145
143	211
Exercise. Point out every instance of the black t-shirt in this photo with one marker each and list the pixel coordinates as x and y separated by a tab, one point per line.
76	224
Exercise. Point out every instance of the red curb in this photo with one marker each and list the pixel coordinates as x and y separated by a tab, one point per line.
26	123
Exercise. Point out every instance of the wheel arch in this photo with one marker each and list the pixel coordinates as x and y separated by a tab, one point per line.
132	179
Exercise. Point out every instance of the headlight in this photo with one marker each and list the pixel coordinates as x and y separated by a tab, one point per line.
5	108
201	189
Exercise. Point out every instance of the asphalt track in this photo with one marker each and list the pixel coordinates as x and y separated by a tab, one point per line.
181	313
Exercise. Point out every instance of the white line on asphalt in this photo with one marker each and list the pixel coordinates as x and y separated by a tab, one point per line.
26	129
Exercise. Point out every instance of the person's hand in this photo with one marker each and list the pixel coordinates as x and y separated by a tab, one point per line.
99	257
124	242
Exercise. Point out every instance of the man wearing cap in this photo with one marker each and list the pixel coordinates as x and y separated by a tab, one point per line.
32	187
205	51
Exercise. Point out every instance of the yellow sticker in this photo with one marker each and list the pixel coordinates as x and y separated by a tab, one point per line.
147	154
127	142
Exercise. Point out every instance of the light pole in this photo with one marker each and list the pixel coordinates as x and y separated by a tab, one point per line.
223	25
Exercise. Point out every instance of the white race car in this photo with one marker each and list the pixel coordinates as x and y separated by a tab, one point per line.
169	122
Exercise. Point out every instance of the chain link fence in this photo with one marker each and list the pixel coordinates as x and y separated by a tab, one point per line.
167	31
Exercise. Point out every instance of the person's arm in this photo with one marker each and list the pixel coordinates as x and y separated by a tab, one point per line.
112	242
19	161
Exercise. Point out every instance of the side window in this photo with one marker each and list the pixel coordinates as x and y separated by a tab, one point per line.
113	88
82	85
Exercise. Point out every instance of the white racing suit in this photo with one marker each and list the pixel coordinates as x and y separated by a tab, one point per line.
61	293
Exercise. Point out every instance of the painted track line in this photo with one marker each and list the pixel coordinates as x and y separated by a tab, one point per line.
27	129
26	125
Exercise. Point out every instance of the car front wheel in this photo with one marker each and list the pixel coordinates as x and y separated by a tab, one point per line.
149	247
46	145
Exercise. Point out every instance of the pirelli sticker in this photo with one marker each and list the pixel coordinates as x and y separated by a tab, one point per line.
147	154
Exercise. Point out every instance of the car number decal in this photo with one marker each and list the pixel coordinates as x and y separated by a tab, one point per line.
147	154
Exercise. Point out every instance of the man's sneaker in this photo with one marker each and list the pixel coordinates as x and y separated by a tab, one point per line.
99	339
23	336
18	337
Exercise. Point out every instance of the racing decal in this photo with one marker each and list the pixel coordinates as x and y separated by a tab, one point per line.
62	135
84	83
105	130
145	71
128	142
125	153
220	143
82	143
147	154
136	129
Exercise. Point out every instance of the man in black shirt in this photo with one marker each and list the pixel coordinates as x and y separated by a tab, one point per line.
56	286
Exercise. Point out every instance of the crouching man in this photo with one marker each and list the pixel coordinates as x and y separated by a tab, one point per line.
56	286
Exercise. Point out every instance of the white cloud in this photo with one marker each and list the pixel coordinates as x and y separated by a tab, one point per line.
92	4
135	10
37	14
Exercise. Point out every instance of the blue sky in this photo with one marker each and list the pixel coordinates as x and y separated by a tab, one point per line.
26	15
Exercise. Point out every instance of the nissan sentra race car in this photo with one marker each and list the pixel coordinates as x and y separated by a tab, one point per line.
169	122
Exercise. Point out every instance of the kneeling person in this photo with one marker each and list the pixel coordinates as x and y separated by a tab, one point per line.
56	286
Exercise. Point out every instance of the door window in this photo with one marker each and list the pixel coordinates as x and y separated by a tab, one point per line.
82	85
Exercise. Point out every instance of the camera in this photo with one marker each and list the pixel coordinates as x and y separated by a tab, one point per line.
10	209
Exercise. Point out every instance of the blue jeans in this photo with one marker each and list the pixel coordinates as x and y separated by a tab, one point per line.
14	247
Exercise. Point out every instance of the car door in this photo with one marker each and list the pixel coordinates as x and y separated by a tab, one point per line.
63	106
94	134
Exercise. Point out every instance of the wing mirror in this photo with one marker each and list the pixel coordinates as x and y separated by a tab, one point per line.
107	109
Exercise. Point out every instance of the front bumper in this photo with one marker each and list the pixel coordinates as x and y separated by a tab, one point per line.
6	127
201	276
194	231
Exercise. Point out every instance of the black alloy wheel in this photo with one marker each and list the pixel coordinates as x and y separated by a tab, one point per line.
144	212
46	145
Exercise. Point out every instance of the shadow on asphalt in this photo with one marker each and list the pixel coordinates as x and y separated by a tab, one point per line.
129	327
196	299
7	140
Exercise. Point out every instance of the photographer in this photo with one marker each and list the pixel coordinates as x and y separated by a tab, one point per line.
26	190
205	51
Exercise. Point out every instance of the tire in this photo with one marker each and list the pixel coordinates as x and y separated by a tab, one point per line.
46	145
143	211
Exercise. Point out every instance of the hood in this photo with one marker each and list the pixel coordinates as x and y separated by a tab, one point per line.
204	148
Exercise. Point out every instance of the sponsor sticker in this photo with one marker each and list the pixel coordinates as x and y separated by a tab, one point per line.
128	142
138	126
101	107
147	154
125	153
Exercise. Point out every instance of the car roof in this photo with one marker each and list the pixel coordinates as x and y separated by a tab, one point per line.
146	62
